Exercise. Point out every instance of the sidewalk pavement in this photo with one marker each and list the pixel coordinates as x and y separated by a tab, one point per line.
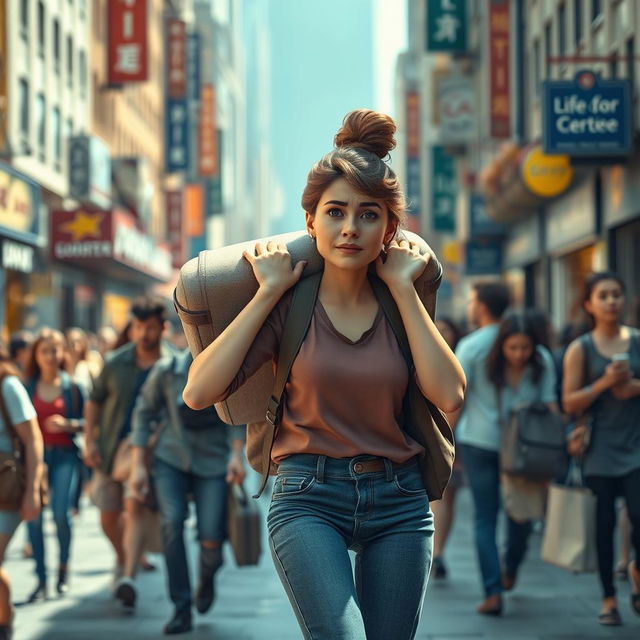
547	603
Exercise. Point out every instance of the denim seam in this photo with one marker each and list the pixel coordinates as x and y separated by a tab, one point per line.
290	590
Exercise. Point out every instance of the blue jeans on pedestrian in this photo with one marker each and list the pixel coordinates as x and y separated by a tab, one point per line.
210	495
62	464
483	471
320	508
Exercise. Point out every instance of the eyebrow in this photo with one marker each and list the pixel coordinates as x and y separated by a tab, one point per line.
362	204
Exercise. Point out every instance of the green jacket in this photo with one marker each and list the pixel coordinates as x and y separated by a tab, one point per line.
113	392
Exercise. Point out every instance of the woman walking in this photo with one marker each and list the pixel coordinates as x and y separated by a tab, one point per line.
17	409
348	476
519	371
59	403
602	377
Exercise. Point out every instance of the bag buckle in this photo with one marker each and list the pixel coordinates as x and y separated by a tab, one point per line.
273	411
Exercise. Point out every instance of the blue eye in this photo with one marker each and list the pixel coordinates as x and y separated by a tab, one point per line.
370	215
334	213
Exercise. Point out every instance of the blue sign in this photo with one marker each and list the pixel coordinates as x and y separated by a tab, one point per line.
177	135
483	257
193	67
444	187
587	116
480	222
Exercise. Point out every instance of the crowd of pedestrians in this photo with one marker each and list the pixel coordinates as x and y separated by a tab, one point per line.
128	419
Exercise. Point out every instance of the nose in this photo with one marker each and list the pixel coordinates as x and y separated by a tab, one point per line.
349	226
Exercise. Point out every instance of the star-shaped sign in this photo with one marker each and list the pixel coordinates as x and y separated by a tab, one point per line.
84	225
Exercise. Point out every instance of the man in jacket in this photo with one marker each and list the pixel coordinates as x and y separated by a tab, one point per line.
195	454
108	423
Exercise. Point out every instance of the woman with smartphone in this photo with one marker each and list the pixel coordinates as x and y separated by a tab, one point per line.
602	376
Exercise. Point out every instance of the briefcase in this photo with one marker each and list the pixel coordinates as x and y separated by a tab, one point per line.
244	526
214	288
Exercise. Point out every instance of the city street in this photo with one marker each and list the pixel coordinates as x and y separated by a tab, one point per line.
548	603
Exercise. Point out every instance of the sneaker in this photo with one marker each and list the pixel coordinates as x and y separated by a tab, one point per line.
62	586
39	594
126	592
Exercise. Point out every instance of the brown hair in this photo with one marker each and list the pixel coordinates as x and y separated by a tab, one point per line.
32	370
7	368
362	144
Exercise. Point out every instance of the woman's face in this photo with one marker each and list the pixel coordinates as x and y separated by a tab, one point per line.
517	350
50	354
76	342
606	301
447	333
350	227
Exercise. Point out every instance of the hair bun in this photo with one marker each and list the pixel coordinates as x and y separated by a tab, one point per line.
366	129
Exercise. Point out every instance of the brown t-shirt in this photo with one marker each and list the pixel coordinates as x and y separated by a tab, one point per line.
343	398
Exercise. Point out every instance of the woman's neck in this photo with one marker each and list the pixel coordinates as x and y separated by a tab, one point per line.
344	287
514	372
49	376
607	330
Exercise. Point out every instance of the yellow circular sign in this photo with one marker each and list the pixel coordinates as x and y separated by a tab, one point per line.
546	175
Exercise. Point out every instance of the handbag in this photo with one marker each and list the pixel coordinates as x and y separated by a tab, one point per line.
122	461
523	499
579	438
532	442
244	529
569	539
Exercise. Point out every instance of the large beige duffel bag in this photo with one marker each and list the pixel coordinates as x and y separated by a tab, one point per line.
215	286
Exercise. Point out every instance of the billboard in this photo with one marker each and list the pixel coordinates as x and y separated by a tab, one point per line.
456	110
128	41
176	58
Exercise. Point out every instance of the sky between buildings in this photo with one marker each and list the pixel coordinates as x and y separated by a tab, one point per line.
327	58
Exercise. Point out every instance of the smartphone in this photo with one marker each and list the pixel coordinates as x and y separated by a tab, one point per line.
621	360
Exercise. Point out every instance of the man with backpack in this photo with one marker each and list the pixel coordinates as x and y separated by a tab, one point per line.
197	454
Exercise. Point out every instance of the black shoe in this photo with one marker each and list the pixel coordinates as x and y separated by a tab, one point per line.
126	592
439	569
180	623
6	632
62	586
39	594
210	562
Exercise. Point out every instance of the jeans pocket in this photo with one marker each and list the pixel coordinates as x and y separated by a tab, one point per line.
292	484
409	483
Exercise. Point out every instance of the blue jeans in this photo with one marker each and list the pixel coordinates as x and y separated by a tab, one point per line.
210	495
320	508
483	471
62	463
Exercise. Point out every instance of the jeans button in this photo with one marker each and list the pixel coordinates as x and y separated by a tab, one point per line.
357	467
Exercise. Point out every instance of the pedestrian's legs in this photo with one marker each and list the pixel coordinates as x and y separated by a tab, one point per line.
133	535
64	478
631	491
517	539
484	479
5	593
111	522
36	535
172	486
605	489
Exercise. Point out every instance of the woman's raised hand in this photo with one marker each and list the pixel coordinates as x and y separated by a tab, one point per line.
404	264
272	266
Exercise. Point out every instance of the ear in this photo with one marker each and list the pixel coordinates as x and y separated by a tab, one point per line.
588	307
309	220
392	228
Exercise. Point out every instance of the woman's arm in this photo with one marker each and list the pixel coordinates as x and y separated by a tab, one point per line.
31	438
213	370
438	372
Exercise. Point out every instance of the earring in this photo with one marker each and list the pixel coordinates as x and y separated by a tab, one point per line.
313	238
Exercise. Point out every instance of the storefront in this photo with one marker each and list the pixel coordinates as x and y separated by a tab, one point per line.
572	243
621	219
20	254
104	261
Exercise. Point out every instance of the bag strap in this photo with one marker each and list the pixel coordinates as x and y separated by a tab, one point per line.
6	418
295	329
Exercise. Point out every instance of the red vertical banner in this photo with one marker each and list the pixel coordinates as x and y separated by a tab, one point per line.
176	227
176	58
128	42
208	137
413	124
499	69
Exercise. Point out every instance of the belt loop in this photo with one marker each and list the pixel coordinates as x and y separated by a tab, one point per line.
388	467
320	468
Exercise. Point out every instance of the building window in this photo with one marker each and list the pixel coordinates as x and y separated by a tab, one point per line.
82	70
596	12
562	29
41	117
57	142
41	29
547	51
56	45
69	61
24	109
24	18
577	21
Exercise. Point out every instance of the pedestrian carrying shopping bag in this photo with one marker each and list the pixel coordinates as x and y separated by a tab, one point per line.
569	540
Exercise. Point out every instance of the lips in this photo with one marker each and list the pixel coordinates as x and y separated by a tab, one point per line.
349	248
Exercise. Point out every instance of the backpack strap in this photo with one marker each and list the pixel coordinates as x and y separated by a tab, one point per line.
295	329
11	430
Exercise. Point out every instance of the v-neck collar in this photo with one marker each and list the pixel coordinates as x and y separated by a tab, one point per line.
324	316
